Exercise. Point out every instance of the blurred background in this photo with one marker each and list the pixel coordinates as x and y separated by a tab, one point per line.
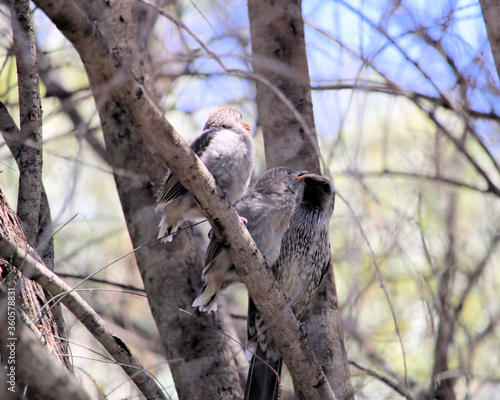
407	109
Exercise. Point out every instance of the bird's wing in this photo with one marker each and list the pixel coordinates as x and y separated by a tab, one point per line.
171	190
201	142
213	250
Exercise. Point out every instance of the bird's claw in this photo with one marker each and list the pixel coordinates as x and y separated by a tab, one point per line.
303	330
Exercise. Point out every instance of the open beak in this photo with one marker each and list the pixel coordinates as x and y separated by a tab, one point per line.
302	175
246	126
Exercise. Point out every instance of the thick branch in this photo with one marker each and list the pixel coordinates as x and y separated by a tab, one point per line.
84	313
491	14
101	65
43	372
279	54
30	109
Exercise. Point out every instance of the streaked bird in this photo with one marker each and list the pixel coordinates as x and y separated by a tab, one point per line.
267	209
228	151
303	261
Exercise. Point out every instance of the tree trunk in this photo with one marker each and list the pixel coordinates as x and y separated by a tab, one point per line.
201	364
491	15
30	297
279	55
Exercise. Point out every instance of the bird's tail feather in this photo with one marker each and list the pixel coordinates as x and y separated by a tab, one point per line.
165	229
207	300
263	382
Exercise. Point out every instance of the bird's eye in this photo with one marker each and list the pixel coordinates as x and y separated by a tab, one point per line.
326	187
226	126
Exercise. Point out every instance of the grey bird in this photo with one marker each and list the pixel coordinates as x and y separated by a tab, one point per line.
267	209
302	263
228	151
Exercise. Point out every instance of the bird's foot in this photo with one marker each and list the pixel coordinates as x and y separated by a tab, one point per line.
286	296
303	330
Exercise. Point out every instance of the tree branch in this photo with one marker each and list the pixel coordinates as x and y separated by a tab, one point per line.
30	109
85	314
42	371
491	14
396	90
250	264
393	385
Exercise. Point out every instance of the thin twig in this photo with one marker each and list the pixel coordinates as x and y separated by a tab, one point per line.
381	280
84	313
310	135
393	385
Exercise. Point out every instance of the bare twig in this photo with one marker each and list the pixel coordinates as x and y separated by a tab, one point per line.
149	121
416	175
84	313
396	90
256	77
382	282
430	113
99	280
393	385
44	373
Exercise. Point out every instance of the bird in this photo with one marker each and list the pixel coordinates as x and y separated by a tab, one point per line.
228	151
303	261
267	209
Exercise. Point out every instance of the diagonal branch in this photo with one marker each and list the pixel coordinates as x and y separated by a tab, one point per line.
85	314
43	372
393	385
250	264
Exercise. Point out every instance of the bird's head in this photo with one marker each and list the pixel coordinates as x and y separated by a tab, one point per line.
227	118
318	191
280	180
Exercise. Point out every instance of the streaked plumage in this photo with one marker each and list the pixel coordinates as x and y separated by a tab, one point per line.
303	261
267	209
228	151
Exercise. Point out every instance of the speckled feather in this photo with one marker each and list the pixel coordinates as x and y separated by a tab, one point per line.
228	151
267	208
303	261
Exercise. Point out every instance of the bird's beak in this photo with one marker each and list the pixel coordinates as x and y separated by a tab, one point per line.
246	126
302	175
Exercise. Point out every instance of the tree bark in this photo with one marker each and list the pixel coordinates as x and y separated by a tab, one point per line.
30	297
47	378
250	264
491	15
279	55
33	297
30	109
113	344
202	366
